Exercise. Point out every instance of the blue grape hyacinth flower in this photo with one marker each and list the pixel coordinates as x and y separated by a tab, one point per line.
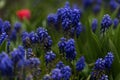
109	60
42	33
56	74
33	37
3	36
17	26
6	27
113	4
66	72
32	62
6	65
70	49
100	64
49	57
106	22
17	54
60	65
94	25
115	23
62	44
80	64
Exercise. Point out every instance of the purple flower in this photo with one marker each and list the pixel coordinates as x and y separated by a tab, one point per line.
106	22
96	9
66	72
33	37
25	39
100	64
6	65
70	49
32	62
56	74
94	25
109	60
60	65
62	44
42	33
49	57
113	4
6	27
18	54
3	36
13	35
17	26
79	29
80	64
75	16
115	23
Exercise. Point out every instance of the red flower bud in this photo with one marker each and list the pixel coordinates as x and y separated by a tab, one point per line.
23	14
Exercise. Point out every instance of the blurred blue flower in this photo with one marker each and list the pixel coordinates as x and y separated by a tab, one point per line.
33	37
52	19
79	29
70	49
76	16
106	22
6	27
6	65
96	9
3	36
62	44
42	33
25	39
115	23
66	72
109	60
13	35
29	53
100	64
94	25
32	62
49	57
18	54
66	23
113	4
8	46
1	25
48	42
104	77
17	26
87	3
80	64
56	74
60	65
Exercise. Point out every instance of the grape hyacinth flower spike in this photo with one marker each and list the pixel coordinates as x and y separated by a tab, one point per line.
106	23
80	64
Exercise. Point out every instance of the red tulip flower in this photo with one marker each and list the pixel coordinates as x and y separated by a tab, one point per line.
23	14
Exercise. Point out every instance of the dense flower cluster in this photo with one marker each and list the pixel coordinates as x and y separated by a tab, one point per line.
61	72
23	62
6	31
17	61
69	19
101	67
40	37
